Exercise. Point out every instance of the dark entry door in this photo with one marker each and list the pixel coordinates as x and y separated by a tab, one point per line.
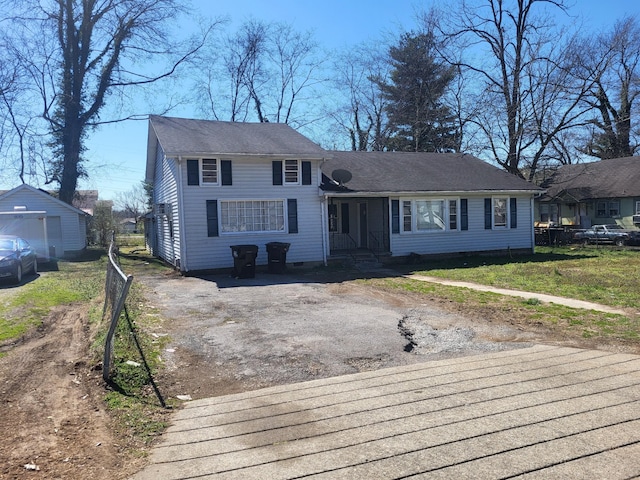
364	228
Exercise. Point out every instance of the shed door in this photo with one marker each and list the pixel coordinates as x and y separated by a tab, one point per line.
54	235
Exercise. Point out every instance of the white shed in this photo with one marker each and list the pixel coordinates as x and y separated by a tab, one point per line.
55	228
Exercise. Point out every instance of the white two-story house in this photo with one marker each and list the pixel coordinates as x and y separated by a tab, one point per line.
223	184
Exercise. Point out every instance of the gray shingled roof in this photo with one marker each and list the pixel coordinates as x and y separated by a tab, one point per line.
419	172
616	177
181	136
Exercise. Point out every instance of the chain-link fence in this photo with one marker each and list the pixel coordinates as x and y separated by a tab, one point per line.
116	289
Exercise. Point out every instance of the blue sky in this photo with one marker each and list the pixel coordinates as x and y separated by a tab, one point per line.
121	148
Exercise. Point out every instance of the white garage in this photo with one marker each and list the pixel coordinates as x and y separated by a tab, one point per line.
55	228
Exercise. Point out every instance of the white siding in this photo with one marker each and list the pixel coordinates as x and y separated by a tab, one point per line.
73	224
475	239
167	245
252	180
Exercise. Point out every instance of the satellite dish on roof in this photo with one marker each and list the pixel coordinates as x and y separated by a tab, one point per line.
341	176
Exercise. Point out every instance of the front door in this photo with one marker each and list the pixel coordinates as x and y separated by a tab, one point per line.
363	226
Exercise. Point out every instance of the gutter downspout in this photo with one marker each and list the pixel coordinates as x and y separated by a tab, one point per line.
180	200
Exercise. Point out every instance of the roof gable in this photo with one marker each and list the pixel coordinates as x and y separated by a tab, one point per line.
616	177
43	194
377	172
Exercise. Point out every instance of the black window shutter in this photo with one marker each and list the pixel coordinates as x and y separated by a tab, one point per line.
487	214
395	216
306	173
277	172
344	207
292	214
212	218
225	170
193	174
464	214
513	207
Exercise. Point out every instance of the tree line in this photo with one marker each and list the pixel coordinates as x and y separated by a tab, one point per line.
514	82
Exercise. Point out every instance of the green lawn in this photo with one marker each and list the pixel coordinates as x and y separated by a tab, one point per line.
603	275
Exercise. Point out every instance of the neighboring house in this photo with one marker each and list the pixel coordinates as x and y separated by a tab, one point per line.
585	194
128	225
55	228
220	184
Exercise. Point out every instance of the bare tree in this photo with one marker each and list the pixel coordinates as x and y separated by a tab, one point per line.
612	59
263	73
521	69
80	54
360	112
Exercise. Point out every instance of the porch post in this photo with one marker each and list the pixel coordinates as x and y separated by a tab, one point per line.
325	229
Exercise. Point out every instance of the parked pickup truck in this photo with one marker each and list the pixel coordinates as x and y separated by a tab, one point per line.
608	234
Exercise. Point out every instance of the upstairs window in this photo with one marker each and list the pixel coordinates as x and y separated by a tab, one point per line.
209	171
291	172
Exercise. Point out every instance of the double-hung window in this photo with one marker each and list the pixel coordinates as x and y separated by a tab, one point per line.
209	169
500	211
407	222
291	172
637	207
609	208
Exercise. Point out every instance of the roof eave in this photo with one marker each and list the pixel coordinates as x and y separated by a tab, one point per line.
266	156
352	193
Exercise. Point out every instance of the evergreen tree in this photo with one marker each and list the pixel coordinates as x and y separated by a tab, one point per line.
418	118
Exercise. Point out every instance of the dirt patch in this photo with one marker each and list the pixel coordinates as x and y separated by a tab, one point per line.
54	423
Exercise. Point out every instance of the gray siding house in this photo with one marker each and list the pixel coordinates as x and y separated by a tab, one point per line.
585	194
219	184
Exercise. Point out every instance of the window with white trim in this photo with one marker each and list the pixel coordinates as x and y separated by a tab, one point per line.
614	208
423	215
209	171
252	216
291	172
407	222
500	206
453	215
637	208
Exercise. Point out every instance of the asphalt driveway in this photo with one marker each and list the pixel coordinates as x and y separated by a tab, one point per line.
279	329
